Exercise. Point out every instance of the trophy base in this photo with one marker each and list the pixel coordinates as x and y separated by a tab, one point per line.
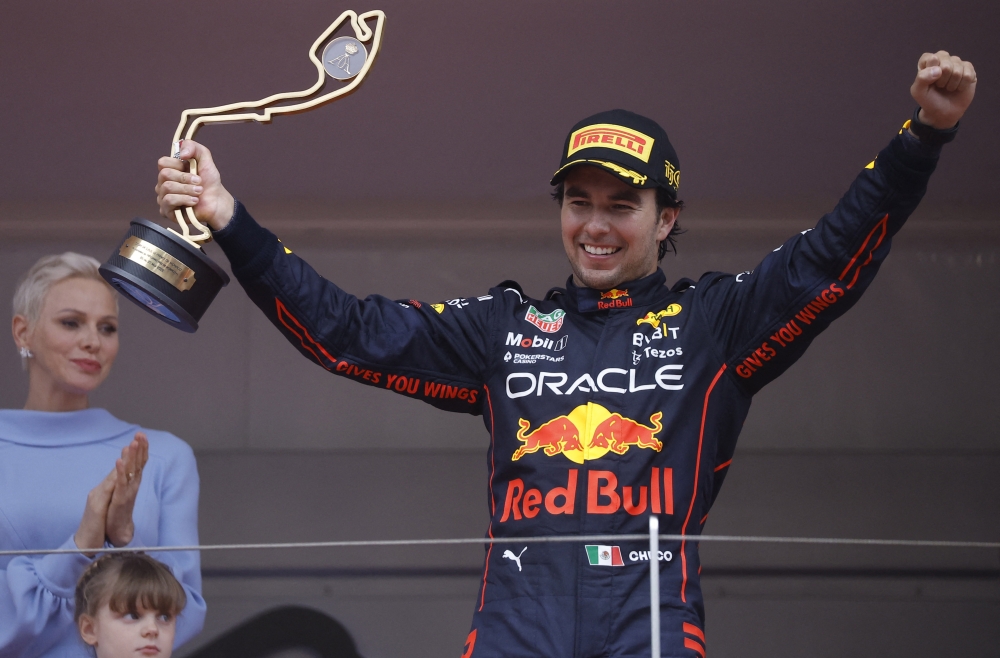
164	275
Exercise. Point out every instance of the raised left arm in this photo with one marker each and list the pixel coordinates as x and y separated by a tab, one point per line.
765	319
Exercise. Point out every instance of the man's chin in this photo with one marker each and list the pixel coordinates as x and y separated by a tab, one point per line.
599	279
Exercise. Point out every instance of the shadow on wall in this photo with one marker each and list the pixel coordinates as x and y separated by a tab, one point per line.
303	631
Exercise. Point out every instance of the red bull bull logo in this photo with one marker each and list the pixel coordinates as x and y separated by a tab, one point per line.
588	432
614	298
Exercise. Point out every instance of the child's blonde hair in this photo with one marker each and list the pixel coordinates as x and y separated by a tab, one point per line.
126	582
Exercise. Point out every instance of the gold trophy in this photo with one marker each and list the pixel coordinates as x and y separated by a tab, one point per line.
166	271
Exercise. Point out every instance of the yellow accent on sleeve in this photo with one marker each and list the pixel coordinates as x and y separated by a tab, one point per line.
438	307
870	165
287	250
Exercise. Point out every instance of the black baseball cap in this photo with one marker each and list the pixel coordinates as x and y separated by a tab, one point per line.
625	143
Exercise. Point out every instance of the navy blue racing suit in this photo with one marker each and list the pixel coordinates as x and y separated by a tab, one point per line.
603	407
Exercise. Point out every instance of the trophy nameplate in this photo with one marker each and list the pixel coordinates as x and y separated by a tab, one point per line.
166	271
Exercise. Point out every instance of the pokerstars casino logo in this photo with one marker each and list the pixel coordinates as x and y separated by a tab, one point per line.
547	322
611	136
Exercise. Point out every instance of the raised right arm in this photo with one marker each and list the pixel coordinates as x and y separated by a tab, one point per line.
435	352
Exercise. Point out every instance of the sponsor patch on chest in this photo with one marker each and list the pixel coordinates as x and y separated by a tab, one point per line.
546	322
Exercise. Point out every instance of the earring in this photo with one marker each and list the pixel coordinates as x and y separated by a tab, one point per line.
26	353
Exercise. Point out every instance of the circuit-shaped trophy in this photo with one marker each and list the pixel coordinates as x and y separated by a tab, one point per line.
166	271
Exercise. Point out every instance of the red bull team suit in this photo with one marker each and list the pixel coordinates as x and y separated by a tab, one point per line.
603	406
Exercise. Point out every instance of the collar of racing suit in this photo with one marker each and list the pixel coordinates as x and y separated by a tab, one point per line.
641	292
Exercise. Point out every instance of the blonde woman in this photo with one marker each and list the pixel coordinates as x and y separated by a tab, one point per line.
76	477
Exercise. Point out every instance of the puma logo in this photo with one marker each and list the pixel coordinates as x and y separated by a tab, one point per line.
517	558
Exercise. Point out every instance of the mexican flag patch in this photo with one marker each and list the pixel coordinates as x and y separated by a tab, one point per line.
608	556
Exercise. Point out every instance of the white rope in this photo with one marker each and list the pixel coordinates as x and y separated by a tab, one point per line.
831	541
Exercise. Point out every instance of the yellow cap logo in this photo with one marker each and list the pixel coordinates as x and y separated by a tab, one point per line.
637	178
610	136
672	174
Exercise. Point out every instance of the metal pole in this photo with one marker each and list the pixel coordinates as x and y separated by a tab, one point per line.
654	585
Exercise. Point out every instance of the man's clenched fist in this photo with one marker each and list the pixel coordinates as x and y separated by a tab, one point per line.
943	88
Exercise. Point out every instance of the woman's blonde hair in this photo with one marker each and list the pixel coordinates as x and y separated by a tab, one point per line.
48	271
127	582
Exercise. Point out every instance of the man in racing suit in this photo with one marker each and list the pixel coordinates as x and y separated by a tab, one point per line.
613	398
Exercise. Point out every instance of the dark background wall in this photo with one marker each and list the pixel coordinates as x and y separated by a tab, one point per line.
473	100
430	182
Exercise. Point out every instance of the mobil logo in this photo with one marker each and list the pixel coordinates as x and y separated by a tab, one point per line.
536	342
588	432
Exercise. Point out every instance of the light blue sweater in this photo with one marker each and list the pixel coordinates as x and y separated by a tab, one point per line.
48	463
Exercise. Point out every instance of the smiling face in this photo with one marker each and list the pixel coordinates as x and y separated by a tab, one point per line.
610	230
125	635
74	341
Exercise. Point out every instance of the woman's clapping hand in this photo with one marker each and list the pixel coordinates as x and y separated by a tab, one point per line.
108	513
128	475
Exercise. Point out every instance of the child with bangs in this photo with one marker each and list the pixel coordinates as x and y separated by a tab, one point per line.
127	604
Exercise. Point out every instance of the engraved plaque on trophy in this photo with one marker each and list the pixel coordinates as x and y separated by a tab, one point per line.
165	270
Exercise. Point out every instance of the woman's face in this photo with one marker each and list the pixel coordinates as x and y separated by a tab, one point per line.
75	338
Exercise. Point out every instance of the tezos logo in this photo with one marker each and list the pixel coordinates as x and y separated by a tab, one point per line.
547	322
519	340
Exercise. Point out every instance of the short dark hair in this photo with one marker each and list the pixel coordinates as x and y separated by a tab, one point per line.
126	581
664	199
